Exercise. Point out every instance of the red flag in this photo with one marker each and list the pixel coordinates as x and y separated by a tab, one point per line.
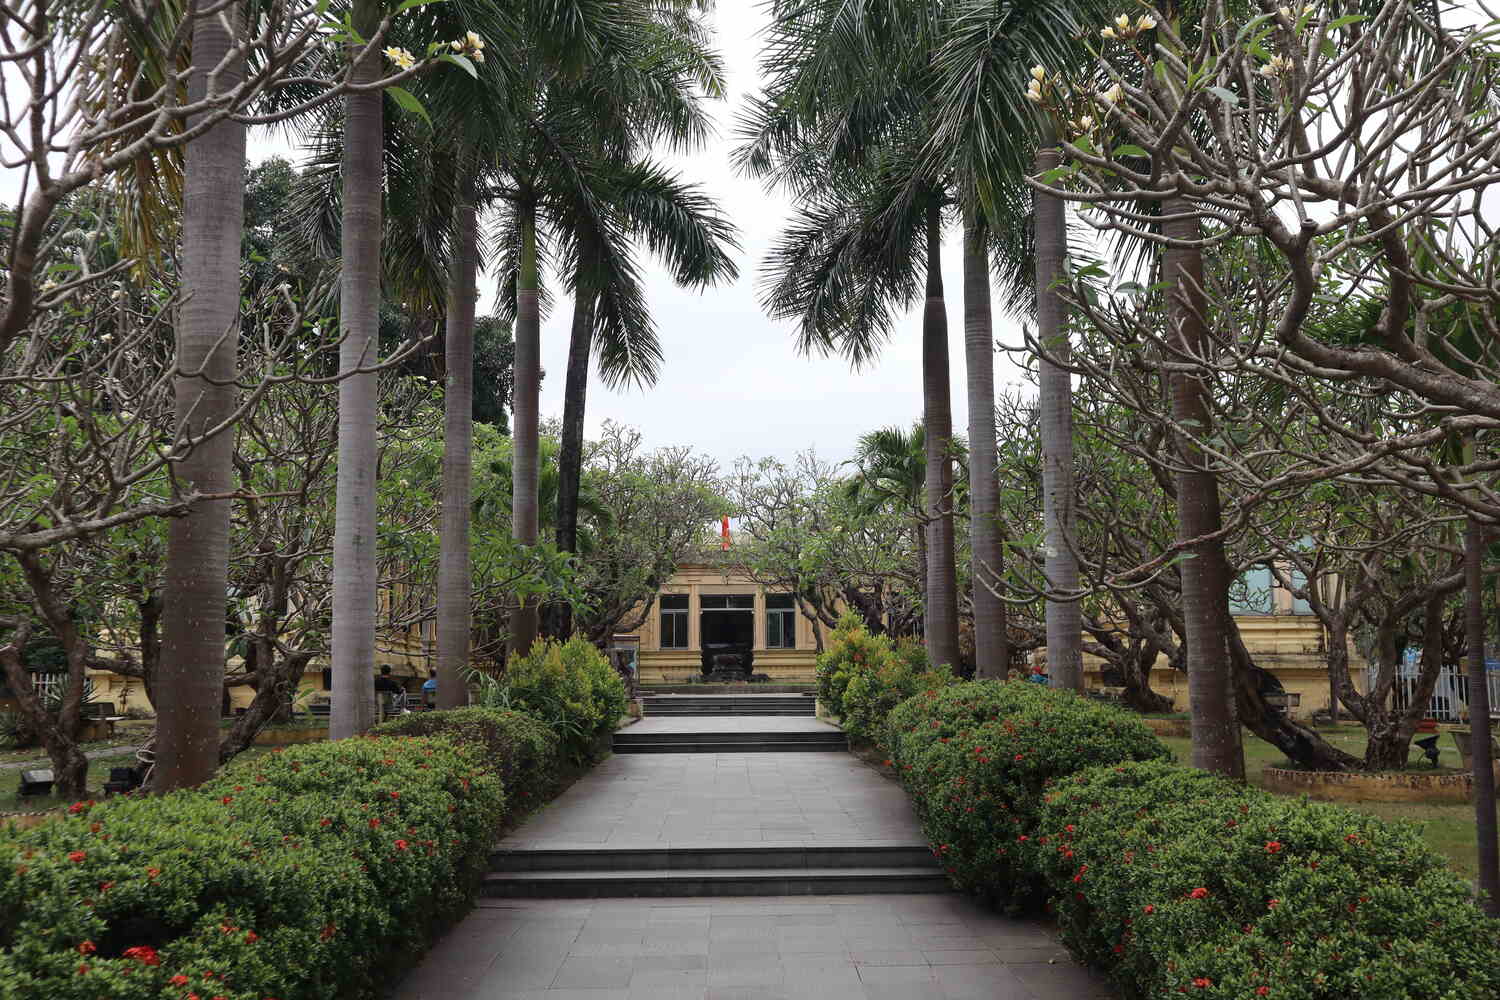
724	532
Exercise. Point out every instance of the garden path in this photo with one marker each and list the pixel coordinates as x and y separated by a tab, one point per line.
640	818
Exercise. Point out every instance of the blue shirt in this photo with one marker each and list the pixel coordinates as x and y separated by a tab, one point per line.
430	684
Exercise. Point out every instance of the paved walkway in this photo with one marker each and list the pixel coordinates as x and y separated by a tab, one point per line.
112	751
846	947
635	799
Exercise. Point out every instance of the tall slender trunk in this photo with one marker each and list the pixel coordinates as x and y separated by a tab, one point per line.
525	468
988	558
1205	575
570	454
1055	401
454	621
354	571
1488	882
941	612
197	565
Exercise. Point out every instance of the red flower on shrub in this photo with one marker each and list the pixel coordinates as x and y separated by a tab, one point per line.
1203	982
1019	756
153	872
143	953
1149	908
86	948
106	886
401	845
1273	846
1262	991
76	856
251	937
395	795
227	799
329	930
1271	905
82	969
1199	893
374	822
78	807
178	980
325	821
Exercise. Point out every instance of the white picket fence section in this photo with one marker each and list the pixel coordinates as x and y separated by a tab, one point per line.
1450	696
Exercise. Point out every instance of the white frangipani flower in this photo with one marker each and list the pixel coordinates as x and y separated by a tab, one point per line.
1114	95
402	58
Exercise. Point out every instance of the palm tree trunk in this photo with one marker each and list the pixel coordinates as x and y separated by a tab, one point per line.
1488	882
354	571
990	652
1055	400
941	625
197	567
1205	576
525	467
454	623
570	454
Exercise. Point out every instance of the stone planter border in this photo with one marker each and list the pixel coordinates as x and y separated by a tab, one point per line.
1354	786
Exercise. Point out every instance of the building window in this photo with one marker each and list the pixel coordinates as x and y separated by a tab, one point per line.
674	621
781	622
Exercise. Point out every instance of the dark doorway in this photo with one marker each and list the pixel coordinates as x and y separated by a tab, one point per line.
727	631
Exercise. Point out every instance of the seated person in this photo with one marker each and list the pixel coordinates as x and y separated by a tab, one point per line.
429	688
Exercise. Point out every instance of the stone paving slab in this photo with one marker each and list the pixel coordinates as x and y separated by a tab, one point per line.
765	948
634	800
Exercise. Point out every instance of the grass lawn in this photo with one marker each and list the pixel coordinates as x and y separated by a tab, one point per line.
10	781
1446	827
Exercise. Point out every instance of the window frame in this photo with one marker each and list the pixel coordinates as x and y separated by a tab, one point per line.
679	618
785	618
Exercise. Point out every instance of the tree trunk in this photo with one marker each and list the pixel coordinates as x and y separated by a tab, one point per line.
455	580
1205	574
1301	745
525	461
197	561
988	559
941	611
1488	882
1055	401
277	680
355	575
570	454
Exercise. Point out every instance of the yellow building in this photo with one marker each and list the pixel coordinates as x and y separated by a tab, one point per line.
706	604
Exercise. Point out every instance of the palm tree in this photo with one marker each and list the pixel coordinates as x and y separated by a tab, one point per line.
891	468
197	568
579	107
1064	621
352	652
681	225
829	127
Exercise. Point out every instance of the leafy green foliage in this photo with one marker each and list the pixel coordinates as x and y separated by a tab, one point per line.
1178	880
862	677
298	875
569	685
520	748
978	757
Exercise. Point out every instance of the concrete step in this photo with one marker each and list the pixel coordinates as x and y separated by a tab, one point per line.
713	882
768	735
716	857
678	713
729	705
792	744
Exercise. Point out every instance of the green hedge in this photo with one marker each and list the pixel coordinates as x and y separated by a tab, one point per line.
522	750
977	757
296	875
1176	881
1179	881
570	686
862	677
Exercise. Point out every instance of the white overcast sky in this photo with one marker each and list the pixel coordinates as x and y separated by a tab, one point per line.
733	383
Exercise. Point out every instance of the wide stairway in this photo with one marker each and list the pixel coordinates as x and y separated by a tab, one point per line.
742	795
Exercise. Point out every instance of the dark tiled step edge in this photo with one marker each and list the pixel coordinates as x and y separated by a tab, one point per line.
700	747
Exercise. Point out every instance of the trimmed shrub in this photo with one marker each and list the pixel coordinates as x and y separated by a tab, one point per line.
978	757
1178	881
862	677
570	686
302	874
523	751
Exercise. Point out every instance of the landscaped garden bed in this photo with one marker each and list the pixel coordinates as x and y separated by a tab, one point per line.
1171	880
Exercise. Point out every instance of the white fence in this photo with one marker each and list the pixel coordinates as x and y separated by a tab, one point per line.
1450	696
